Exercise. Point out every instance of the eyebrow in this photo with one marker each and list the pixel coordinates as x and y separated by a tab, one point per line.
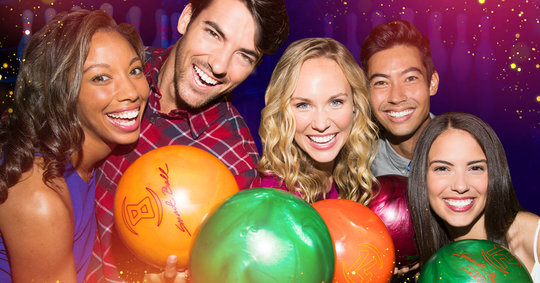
410	69
331	97
250	52
104	65
450	163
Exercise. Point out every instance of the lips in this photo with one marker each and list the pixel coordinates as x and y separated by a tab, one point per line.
322	142
322	139
125	120
459	205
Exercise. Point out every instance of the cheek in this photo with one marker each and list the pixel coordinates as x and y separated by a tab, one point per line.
435	184
376	97
345	119
239	72
302	122
142	88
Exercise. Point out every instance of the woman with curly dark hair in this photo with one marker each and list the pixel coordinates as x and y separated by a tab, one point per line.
80	92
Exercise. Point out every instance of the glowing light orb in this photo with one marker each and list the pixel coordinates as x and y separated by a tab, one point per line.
513	65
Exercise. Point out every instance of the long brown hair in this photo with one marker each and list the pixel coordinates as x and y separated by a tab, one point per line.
502	204
44	119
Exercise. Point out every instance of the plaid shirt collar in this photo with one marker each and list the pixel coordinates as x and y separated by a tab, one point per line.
198	120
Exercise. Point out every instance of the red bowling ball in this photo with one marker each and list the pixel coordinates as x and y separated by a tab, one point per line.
390	204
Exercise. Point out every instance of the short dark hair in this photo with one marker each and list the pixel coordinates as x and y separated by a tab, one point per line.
396	32
502	204
270	16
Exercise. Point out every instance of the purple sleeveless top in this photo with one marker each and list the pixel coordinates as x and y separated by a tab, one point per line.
271	181
82	200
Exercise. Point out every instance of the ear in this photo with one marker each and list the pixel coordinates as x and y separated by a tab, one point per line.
434	84
184	19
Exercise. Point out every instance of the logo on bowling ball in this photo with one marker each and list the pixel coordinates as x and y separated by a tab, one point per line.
147	208
497	257
369	261
151	207
500	258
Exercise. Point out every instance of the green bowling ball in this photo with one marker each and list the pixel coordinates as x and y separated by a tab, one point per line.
263	235
474	261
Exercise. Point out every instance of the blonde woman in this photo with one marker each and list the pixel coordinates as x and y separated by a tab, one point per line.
316	132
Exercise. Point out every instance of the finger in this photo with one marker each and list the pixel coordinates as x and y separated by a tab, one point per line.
416	266
170	268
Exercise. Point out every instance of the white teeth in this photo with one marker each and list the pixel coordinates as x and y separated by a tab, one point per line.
126	123
324	139
459	202
124	115
204	77
399	114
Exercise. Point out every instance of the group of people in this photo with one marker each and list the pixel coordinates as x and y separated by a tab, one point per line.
90	100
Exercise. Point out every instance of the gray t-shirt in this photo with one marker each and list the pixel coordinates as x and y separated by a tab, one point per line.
389	162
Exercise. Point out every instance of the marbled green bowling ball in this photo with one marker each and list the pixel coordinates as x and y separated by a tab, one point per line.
474	261
263	235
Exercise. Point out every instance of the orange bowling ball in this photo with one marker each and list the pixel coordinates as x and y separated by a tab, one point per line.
363	245
163	197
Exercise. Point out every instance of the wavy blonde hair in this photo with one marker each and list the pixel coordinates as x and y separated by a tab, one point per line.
283	158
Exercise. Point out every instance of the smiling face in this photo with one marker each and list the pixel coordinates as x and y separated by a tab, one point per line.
399	92
457	180
113	92
215	54
323	107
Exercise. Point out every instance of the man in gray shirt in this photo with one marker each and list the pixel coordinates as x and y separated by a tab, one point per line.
401	79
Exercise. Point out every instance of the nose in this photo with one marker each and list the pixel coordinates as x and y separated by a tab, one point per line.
321	121
127	90
397	94
219	62
460	185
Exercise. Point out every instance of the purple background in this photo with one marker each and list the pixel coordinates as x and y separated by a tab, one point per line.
506	96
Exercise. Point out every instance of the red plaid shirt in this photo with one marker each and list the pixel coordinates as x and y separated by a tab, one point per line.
218	128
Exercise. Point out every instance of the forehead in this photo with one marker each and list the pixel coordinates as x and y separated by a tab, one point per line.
321	77
455	143
396	58
230	12
107	44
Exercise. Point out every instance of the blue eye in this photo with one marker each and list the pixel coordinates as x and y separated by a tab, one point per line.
301	105
337	102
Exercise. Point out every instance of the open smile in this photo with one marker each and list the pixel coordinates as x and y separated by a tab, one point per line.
202	79
323	139
399	114
126	120
459	205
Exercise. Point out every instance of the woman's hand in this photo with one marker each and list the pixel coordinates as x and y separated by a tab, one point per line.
408	271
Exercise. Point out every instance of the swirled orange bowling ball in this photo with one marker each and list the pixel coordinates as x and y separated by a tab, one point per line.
363	246
163	197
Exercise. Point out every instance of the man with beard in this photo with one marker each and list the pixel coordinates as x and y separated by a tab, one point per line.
222	42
